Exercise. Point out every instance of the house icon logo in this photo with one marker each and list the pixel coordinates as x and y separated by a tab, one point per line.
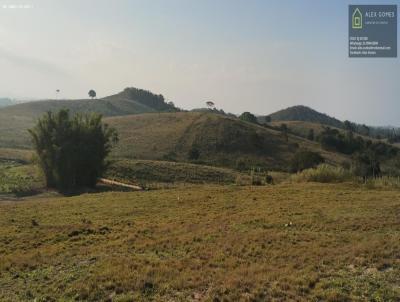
356	19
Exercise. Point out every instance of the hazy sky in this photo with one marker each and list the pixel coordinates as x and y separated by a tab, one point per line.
258	56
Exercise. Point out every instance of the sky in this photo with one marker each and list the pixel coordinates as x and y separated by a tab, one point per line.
245	55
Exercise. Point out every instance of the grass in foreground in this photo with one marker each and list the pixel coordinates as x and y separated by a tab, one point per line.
302	242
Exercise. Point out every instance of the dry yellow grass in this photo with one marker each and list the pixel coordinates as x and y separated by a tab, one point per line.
301	242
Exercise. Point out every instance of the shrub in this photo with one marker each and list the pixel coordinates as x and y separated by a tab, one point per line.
248	117
311	135
323	173
11	182
304	159
194	153
72	151
384	182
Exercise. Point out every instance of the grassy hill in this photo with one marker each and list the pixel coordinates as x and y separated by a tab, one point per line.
129	101
303	113
219	140
297	242
16	119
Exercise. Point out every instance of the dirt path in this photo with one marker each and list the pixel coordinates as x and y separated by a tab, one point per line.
120	184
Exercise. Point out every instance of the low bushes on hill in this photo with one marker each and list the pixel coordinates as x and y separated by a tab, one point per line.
323	173
383	182
304	159
147	172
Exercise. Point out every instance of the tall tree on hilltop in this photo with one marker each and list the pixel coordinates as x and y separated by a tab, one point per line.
92	93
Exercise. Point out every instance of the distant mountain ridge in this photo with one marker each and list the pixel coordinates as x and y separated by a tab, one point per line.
129	101
5	102
305	114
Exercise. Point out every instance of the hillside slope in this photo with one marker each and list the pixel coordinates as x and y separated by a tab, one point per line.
218	140
306	114
16	119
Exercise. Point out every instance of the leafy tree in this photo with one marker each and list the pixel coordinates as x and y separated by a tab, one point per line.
145	97
364	130
92	93
310	135
72	151
349	126
304	159
285	131
366	164
248	117
267	119
210	105
194	153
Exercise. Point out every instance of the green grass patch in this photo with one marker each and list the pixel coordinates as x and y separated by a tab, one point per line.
18	178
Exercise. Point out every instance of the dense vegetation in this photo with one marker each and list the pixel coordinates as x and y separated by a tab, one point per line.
145	97
72	151
304	159
248	117
367	155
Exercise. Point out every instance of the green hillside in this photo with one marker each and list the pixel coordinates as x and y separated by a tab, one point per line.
16	119
303	113
129	101
219	140
302	128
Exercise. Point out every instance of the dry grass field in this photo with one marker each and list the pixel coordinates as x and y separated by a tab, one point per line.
289	242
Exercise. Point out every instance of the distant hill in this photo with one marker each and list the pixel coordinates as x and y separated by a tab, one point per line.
129	101
302	118
16	119
305	114
5	102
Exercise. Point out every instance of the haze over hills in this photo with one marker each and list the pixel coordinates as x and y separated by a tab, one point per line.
5	102
150	128
129	101
302	118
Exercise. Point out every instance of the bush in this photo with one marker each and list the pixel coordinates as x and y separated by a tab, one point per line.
323	173
11	182
194	153
72	151
384	182
248	117
304	160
